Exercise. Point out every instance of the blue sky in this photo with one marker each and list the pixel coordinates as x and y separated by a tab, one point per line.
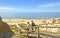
30	8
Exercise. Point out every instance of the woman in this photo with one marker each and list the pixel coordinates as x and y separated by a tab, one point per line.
28	26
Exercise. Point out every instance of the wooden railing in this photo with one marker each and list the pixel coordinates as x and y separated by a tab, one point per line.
37	27
40	26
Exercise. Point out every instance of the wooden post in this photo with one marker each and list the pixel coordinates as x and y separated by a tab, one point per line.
46	28
20	31
38	33
27	34
35	29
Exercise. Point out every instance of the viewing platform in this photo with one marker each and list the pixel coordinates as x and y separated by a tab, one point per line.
39	33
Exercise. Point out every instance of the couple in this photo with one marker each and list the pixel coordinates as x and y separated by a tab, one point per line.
29	26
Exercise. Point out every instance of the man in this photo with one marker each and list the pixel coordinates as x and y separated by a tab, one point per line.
33	24
5	31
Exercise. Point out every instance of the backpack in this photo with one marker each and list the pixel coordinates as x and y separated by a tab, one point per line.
33	24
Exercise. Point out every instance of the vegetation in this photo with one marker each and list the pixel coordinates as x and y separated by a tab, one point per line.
14	29
17	35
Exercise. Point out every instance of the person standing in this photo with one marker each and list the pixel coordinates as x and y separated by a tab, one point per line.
33	24
28	26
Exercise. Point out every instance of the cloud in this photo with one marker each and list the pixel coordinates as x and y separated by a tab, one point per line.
6	9
24	10
49	5
10	9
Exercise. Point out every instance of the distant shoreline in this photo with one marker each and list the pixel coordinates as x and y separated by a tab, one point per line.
31	18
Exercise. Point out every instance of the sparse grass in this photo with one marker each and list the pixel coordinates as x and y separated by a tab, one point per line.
14	29
18	36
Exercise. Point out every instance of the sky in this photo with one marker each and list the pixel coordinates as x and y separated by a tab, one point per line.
29	8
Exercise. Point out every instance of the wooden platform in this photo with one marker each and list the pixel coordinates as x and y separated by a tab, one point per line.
41	34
